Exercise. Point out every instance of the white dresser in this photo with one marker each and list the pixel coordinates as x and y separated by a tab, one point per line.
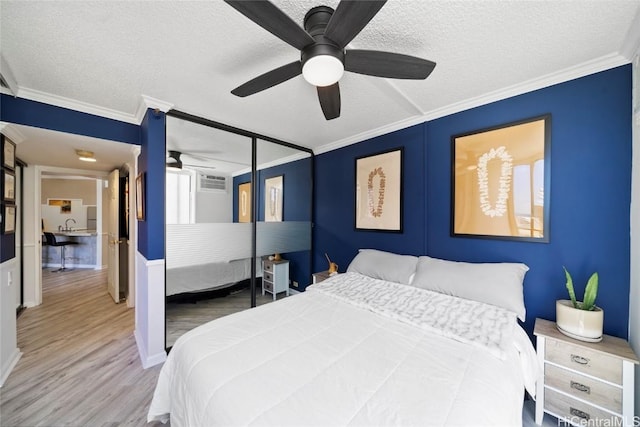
584	383
275	277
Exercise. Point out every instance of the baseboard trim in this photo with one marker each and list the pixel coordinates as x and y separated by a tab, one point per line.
17	354
146	360
69	266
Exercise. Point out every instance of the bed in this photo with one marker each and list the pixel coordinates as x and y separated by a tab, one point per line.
356	349
209	276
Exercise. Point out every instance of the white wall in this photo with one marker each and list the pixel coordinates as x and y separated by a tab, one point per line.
214	207
9	353
634	296
32	236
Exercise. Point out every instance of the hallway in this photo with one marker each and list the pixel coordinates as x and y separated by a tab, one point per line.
80	364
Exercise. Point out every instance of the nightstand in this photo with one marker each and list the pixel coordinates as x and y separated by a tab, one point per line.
319	277
275	277
584	383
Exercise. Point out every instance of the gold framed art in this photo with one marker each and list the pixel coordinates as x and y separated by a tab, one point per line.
501	181
140	196
378	198
244	202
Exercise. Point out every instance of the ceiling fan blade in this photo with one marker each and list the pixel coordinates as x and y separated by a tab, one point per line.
269	79
349	18
272	19
329	97
387	64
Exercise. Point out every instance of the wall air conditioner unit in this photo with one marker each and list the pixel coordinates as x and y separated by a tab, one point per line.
212	183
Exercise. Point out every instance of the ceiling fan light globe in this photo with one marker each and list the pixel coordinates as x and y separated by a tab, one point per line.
87	159
322	70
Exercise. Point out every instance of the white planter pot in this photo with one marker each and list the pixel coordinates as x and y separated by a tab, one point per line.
579	324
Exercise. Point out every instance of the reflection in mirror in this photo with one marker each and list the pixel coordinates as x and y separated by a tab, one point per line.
208	256
283	236
211	202
501	181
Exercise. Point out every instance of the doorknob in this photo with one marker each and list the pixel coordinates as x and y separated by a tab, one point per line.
115	242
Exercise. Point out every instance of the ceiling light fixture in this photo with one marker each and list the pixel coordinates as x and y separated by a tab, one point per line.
85	156
322	70
322	63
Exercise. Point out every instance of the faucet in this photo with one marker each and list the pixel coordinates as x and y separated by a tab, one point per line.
66	223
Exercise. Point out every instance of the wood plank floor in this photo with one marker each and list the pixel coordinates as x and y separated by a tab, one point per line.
184	316
80	364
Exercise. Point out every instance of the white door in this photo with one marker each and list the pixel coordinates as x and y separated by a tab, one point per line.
113	236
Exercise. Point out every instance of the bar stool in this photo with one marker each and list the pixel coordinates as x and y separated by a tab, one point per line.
51	241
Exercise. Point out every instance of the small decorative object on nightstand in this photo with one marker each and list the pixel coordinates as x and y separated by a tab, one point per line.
275	276
319	277
584	383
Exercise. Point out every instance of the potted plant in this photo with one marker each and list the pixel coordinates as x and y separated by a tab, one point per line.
581	320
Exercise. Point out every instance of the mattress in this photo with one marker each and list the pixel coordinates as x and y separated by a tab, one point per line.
344	353
210	276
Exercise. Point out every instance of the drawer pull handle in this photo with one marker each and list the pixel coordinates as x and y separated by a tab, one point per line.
578	413
579	359
581	387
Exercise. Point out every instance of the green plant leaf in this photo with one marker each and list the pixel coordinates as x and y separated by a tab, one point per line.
590	293
569	285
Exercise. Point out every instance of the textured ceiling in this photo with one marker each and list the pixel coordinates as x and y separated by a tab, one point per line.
106	54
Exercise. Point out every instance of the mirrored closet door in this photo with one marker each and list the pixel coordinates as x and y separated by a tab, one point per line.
238	221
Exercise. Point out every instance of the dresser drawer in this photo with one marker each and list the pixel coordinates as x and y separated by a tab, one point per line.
584	360
267	276
268	286
585	388
579	413
268	266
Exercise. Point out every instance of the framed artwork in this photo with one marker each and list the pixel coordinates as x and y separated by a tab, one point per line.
140	201
65	205
244	202
501	181
8	186
8	154
378	195
273	195
8	219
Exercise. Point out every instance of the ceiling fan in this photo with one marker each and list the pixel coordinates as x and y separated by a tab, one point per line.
174	161
322	43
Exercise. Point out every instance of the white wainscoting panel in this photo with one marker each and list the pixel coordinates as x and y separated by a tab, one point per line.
149	311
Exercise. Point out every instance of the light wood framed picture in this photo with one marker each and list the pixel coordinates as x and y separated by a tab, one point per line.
65	205
8	186
273	197
8	219
8	153
140	196
501	181
244	202
378	198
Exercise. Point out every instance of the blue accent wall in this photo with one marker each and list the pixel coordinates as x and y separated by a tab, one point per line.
32	113
334	228
591	144
297	189
152	164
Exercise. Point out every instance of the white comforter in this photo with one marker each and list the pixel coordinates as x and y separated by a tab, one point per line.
327	358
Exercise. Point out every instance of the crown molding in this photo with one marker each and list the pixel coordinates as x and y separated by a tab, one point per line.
631	44
8	76
11	132
72	104
586	68
147	102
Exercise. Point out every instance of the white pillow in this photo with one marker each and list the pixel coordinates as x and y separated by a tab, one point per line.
497	284
384	265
